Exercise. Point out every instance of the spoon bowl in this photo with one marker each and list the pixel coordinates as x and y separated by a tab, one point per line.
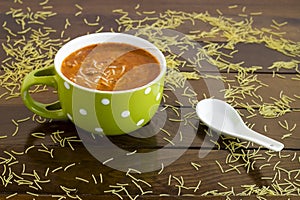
223	118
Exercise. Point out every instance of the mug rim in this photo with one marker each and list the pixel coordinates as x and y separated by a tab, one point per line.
161	60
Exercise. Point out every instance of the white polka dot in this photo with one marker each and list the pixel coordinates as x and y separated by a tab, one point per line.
158	96
99	130
148	90
83	111
105	101
69	116
125	113
67	86
140	122
25	93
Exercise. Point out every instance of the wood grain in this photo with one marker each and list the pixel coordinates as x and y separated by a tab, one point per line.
56	160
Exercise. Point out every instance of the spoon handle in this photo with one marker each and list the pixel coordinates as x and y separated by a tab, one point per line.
262	140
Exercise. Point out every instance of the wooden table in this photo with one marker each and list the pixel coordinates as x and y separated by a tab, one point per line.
49	159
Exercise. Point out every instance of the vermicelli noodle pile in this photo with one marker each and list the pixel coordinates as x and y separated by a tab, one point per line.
34	44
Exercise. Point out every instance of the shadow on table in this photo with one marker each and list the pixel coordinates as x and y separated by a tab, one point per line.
237	154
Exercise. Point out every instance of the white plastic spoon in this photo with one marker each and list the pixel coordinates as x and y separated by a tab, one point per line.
222	117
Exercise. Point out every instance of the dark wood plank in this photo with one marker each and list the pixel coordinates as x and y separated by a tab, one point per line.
251	54
187	132
208	86
171	197
66	161
271	11
260	89
257	168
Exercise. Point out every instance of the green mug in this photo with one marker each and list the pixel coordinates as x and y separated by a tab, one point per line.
98	112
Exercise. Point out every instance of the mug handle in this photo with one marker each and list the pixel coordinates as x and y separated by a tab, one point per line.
45	76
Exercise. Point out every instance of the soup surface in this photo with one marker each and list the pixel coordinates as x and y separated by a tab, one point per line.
111	66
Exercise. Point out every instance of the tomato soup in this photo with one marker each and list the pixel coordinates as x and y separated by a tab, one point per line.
111	66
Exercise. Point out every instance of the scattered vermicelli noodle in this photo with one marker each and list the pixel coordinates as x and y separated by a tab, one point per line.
34	45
